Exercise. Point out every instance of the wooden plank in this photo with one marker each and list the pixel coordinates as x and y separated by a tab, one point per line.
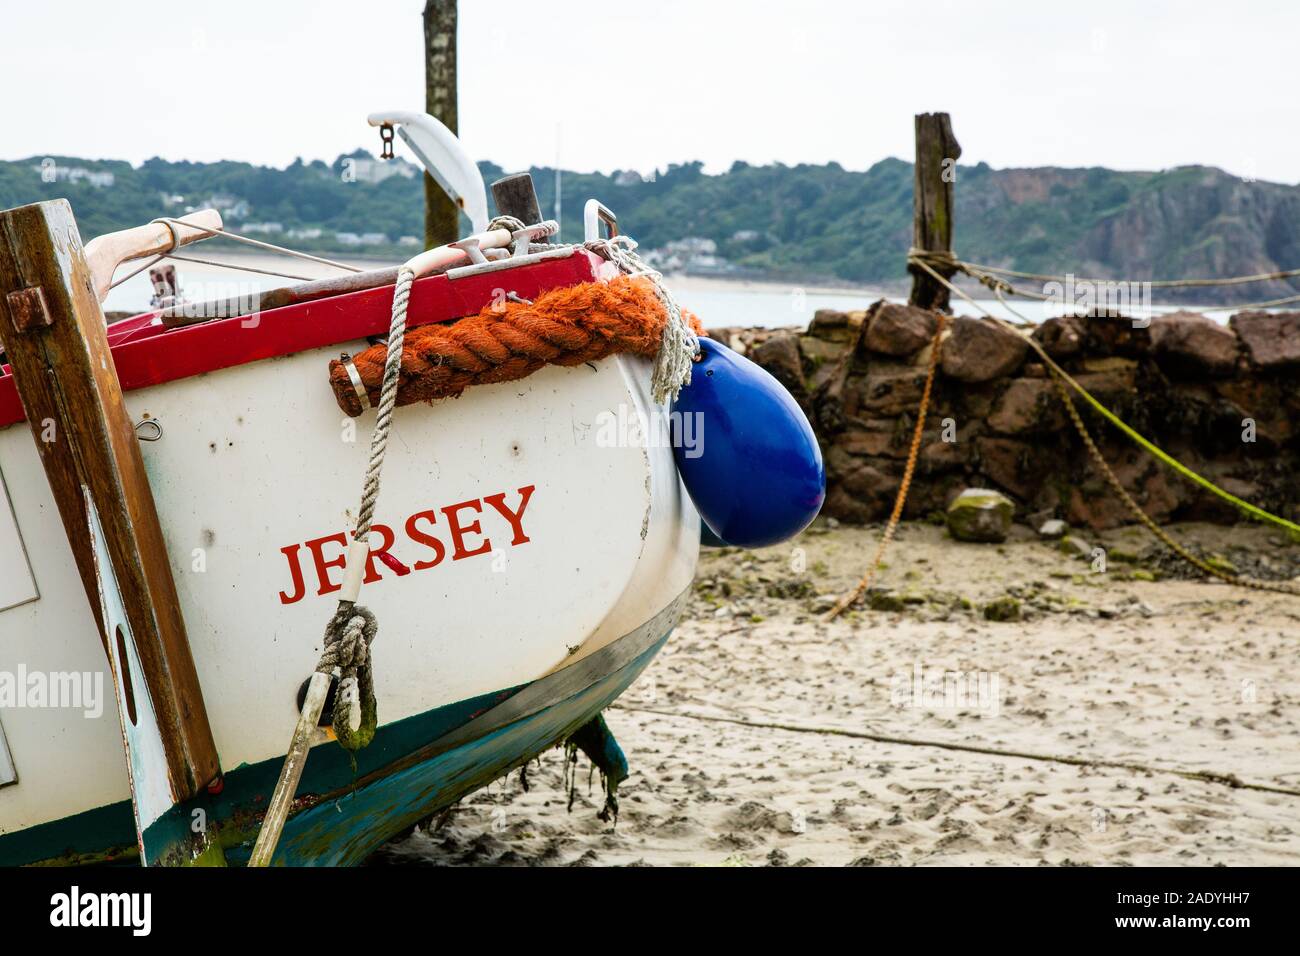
64	371
516	196
935	173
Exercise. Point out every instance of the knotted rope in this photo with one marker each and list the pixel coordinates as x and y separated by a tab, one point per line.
388	386
506	222
353	628
347	648
992	277
509	340
679	342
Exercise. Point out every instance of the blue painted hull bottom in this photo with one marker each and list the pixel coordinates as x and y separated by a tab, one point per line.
413	768
344	831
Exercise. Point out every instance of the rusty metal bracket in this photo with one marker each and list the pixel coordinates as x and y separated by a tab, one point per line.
27	309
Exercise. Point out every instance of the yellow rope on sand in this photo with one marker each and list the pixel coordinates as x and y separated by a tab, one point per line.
901	498
1063	378
1136	510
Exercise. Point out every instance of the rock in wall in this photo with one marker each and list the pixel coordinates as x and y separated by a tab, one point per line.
1224	400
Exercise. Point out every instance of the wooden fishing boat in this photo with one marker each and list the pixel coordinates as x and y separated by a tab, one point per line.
525	573
525	569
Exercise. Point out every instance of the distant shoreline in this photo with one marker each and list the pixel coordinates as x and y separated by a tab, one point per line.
691	281
818	285
720	301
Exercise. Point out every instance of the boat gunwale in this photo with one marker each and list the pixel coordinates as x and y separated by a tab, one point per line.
153	354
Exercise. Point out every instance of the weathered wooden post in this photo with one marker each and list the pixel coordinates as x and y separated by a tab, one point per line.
441	215
937	152
57	345
516	196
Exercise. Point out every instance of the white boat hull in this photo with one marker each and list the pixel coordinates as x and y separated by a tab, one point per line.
256	465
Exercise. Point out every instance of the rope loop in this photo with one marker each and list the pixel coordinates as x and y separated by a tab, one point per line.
176	236
938	258
506	222
996	278
679	347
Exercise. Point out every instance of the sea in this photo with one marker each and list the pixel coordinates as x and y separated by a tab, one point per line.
719	302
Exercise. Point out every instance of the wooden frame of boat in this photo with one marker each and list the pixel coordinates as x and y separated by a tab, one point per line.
57	346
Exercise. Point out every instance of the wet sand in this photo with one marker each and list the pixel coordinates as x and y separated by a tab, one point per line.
1120	721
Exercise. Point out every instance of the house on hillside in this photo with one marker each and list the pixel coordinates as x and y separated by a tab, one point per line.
51	172
364	169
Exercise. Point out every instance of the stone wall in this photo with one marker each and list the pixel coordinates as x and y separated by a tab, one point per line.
1197	389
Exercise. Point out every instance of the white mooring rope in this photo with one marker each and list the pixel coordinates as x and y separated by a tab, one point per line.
353	628
679	345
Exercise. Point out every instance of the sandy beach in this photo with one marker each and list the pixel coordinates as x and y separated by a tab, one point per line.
1121	721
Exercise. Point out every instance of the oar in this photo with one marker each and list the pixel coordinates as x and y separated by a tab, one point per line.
105	253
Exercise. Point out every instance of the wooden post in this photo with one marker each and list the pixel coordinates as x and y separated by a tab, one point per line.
441	215
937	152
516	196
56	342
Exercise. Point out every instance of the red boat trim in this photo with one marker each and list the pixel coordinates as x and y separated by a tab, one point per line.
148	354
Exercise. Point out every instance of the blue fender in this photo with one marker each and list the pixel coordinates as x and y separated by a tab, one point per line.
752	465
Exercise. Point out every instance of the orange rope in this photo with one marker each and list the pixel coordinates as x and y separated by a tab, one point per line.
511	340
901	499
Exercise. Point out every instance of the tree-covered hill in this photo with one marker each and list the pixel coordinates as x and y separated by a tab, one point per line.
782	221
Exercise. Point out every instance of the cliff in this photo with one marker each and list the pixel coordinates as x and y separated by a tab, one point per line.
797	222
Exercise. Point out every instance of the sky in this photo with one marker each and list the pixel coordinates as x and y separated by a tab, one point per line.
620	85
